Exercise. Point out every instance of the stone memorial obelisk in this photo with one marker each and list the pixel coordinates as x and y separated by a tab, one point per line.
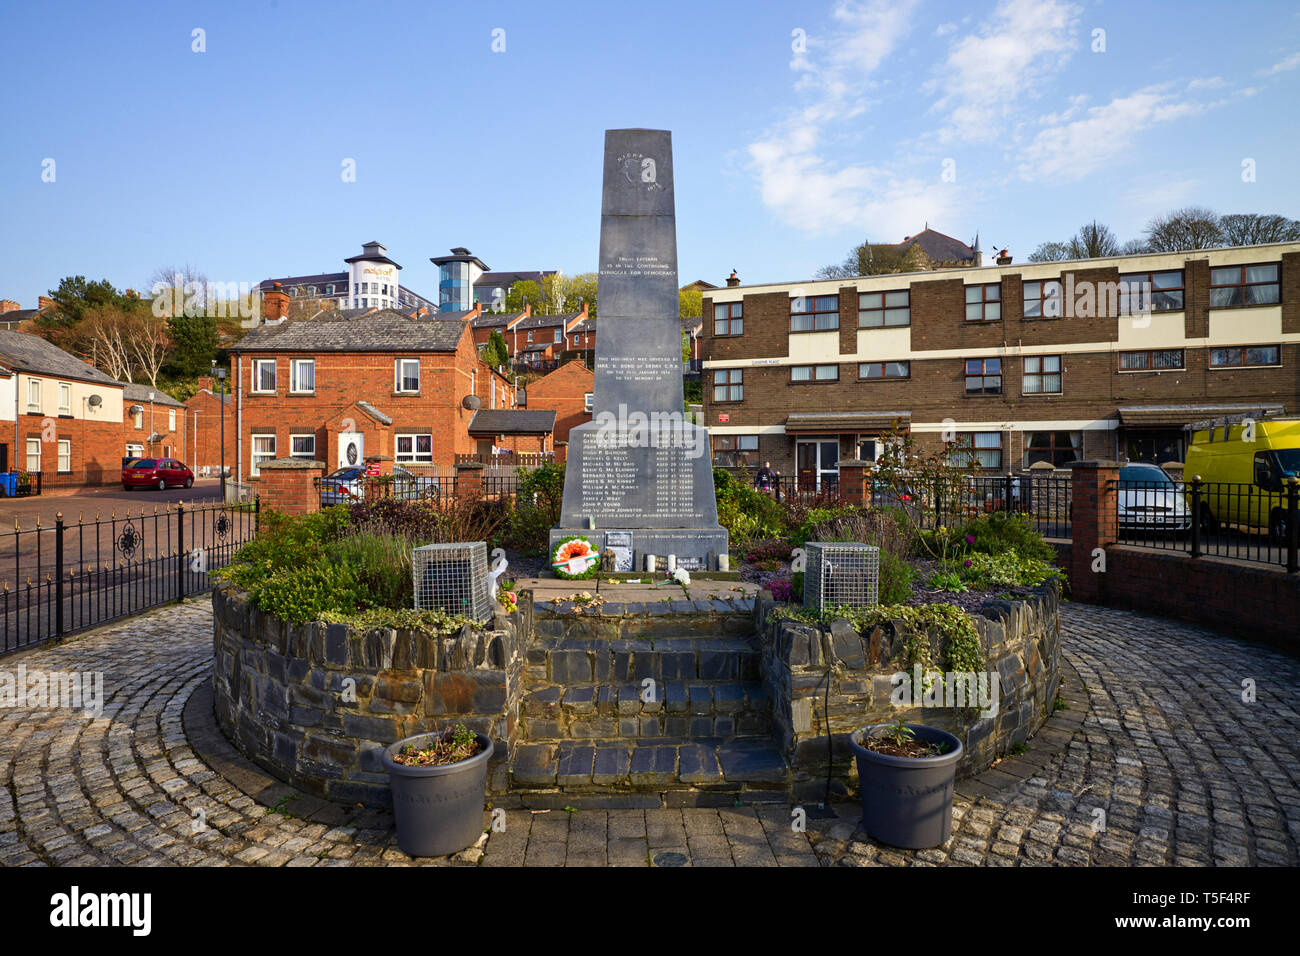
640	471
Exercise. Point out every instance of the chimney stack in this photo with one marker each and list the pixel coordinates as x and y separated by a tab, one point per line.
8	305
205	381
1004	258
44	302
275	303
733	280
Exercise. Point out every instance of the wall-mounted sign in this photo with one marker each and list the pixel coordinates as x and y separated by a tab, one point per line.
724	418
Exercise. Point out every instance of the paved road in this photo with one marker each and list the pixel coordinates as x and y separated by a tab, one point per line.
1157	736
103	501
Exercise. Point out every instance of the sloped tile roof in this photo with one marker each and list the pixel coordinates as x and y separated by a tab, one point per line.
31	353
385	330
512	421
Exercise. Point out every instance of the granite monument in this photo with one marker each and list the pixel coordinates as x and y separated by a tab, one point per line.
640	470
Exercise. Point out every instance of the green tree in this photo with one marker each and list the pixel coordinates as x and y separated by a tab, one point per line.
580	290
525	293
193	345
691	302
494	351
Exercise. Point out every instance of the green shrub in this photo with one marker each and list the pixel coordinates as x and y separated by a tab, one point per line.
896	577
796	586
948	581
747	513
998	532
301	594
382	565
1005	569
536	510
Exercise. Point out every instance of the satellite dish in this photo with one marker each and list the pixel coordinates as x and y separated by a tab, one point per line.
472	402
95	401
137	409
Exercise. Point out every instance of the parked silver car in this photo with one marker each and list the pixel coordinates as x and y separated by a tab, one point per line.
1148	499
349	485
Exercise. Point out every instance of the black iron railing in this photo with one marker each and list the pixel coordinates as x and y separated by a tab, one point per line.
62	578
1215	519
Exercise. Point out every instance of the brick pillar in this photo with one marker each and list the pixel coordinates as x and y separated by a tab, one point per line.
469	479
1092	524
288	485
854	482
385	463
561	452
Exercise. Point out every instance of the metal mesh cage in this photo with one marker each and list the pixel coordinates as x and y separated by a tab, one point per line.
452	577
841	573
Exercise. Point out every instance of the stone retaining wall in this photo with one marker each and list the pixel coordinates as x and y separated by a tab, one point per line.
281	695
1021	645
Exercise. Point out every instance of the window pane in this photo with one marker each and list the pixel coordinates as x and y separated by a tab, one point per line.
993	310
747	442
828	320
897	298
1052	383
737	326
1033	308
992	293
800	323
1033	384
720	312
870	319
898	316
869	370
720	393
973	294
1167	280
737	393
1172	358
828	303
800	373
1261	294
898	369
1225	357
1051	363
1225	276
974	311
993	365
828	372
1220	298
988	439
1032	363
720	328
1033	290
1261	273
1167	301
870	300
974	366
1261	356
1132	360
993	383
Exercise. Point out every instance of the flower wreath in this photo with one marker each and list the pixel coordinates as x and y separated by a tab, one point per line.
576	559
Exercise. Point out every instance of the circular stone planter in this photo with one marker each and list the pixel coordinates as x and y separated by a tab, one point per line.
907	801
438	810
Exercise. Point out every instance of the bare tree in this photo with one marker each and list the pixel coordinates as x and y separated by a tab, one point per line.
1093	241
1134	247
146	337
1252	229
193	283
1193	227
106	328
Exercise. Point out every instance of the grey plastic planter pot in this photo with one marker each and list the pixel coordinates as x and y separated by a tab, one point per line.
439	810
907	801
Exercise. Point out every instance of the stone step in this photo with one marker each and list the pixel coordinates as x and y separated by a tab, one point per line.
600	766
727	616
686	709
569	660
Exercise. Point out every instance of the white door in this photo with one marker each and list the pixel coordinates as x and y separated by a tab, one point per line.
352	447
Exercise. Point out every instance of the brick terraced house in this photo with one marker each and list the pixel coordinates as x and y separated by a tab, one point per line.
154	424
382	385
1041	362
59	415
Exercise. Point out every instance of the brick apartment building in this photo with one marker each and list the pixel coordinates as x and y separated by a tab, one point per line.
1006	357
382	384
568	392
539	338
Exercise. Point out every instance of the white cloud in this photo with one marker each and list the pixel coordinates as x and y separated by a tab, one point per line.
1164	194
1289	63
802	185
1064	152
1209	83
1022	46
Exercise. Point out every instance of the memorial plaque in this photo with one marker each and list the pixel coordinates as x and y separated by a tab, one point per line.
640	464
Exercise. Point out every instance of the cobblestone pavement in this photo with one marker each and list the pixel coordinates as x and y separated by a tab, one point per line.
1156	735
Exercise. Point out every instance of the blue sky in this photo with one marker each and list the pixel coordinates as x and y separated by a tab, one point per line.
230	159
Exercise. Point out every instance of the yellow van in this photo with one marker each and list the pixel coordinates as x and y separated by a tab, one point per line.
1244	481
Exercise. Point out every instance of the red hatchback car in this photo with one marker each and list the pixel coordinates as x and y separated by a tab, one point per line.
156	473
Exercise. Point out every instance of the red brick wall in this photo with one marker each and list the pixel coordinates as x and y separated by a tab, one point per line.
97	448
175	442
564	392
203	433
289	490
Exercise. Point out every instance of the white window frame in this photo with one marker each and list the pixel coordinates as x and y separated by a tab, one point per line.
413	456
171	419
295	373
258	365
65	398
33	443
138	420
294	438
134	450
34	389
588	401
259	457
397	376
64	460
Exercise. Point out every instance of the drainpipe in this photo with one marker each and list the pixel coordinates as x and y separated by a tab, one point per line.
239	417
